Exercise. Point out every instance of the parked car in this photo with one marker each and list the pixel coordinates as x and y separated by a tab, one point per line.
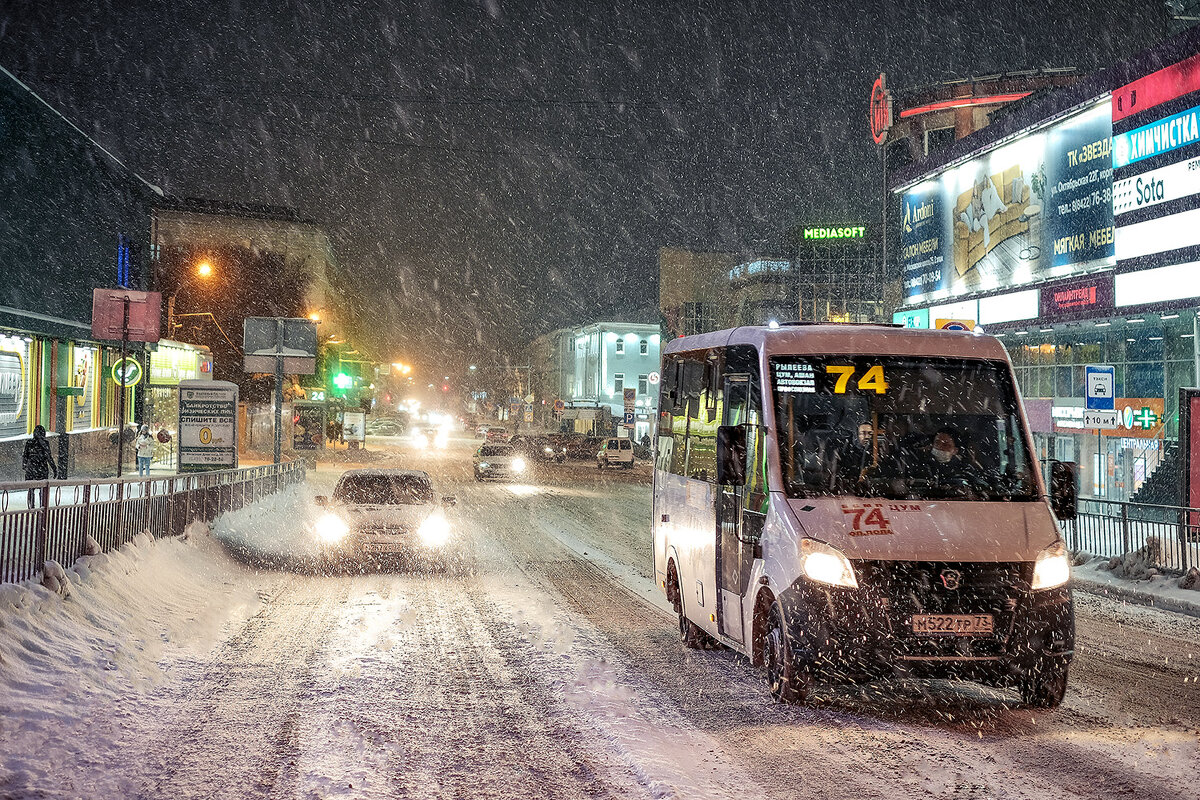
498	462
583	448
538	448
615	453
383	511
384	426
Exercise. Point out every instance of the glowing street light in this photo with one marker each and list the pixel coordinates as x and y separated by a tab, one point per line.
204	269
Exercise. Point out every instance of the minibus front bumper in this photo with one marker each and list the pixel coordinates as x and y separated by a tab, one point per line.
868	631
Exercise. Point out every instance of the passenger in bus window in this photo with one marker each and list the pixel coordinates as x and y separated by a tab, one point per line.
945	467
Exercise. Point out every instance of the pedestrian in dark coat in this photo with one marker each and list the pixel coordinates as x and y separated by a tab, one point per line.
36	460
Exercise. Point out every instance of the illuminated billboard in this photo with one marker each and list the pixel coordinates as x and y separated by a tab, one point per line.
1036	208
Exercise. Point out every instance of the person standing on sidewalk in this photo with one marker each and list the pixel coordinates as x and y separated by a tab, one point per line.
145	450
36	460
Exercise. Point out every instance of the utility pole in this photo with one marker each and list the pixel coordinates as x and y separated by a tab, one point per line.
121	386
278	390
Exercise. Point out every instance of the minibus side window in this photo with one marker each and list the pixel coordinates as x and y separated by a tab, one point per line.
704	418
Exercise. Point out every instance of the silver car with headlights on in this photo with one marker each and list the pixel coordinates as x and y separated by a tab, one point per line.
498	462
382	512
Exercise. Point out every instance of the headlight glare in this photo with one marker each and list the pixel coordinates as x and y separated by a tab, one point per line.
434	531
331	528
825	564
518	464
1052	567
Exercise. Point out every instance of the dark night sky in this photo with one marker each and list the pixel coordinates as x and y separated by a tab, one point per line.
492	169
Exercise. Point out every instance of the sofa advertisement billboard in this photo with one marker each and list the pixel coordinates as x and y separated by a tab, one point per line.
1039	207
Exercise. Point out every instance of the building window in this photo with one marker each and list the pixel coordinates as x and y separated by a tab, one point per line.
620	347
699	318
619	384
645	348
643	384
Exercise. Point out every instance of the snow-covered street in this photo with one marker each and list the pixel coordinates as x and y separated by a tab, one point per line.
542	663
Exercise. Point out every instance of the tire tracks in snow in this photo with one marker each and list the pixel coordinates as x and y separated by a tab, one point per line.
967	741
232	730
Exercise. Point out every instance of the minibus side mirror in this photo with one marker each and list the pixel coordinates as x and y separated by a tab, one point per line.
1063	493
449	500
731	455
321	500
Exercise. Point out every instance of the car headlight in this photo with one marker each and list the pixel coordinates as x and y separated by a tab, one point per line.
518	464
434	531
1052	567
547	450
483	465
331	528
825	564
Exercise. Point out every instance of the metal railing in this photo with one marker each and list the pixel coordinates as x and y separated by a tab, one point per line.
1169	535
51	520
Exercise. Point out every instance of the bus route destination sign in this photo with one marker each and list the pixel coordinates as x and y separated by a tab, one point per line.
208	412
795	377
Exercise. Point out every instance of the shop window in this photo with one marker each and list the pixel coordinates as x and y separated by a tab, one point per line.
1144	380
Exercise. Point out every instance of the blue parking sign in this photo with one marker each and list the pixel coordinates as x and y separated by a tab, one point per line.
1101	383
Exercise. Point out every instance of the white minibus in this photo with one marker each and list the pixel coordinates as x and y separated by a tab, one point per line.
857	502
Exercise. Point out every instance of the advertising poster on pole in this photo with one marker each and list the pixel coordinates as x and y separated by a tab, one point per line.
308	425
207	425
354	426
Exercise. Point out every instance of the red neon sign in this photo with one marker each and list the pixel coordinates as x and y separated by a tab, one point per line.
881	109
963	102
1157	88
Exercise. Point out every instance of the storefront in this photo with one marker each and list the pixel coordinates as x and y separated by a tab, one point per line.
170	363
15	385
1076	240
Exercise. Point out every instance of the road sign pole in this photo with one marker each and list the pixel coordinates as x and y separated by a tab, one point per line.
278	390
121	388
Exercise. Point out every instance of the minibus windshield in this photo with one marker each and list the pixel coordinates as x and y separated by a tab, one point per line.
899	427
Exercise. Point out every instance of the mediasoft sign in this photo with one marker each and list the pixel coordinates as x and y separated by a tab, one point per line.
843	232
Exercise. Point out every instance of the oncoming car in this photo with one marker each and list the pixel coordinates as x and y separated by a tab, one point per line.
383	511
498	462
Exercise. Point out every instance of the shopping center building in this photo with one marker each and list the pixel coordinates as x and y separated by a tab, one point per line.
1070	228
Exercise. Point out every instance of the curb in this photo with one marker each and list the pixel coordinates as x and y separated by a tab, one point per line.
1132	595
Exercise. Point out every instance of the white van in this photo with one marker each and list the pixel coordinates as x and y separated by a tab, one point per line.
854	502
615	452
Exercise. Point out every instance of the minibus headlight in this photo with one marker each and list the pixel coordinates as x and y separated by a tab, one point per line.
825	564
331	528
1052	567
518	464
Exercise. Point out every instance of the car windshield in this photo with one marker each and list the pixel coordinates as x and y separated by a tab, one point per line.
496	450
384	490
902	428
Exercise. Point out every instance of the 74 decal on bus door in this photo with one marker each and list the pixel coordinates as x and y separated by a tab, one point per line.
867	519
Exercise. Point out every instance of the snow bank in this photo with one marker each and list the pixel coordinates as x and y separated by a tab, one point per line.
1169	592
61	654
275	531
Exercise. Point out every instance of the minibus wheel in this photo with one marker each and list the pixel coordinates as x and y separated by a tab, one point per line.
691	635
1045	685
789	681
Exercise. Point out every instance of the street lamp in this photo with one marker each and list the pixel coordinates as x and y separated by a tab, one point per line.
204	271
